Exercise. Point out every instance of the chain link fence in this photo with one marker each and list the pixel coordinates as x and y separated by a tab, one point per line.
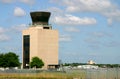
100	73
105	73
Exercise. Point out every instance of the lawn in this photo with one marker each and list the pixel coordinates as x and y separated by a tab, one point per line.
42	75
68	74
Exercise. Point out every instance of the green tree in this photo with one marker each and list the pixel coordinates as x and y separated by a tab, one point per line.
12	59
36	62
1	60
9	59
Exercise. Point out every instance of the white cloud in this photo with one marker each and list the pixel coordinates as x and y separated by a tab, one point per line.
54	1
19	12
65	38
71	20
55	11
23	1
95	38
112	15
92	41
7	1
61	18
101	34
19	28
28	1
87	5
72	29
105	7
84	5
2	30
4	37
112	44
110	21
5	33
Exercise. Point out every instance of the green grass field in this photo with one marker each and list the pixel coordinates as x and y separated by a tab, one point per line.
43	75
69	74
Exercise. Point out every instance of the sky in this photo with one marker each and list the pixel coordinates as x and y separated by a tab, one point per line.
88	29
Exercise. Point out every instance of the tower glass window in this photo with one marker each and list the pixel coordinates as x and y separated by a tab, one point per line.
26	50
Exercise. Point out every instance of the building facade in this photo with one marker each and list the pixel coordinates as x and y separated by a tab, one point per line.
40	40
91	62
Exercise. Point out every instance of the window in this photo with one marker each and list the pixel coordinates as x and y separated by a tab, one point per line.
26	50
46	27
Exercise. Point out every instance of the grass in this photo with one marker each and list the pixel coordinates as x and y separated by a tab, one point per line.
43	75
70	74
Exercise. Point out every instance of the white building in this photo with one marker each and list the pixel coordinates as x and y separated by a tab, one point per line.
90	62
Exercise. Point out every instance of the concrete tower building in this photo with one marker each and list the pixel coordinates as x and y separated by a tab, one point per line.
40	40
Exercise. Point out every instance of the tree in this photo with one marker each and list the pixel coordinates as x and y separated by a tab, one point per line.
1	60
9	59
36	62
12	59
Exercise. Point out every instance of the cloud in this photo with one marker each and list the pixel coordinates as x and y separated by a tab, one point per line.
6	33
92	41
19	28
70	20
9	48
112	15
94	46
2	30
105	7
19	12
55	11
98	40
87	5
23	1
28	1
60	17
101	34
72	29
7	1
65	38
112	44
110	21
3	35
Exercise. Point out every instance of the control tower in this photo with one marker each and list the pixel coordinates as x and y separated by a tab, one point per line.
40	40
41	19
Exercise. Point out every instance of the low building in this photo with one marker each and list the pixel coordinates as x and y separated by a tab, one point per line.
90	62
87	67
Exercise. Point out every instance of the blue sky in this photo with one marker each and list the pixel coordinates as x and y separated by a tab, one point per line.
88	29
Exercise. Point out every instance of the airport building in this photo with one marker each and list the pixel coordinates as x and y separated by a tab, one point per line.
90	62
40	40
